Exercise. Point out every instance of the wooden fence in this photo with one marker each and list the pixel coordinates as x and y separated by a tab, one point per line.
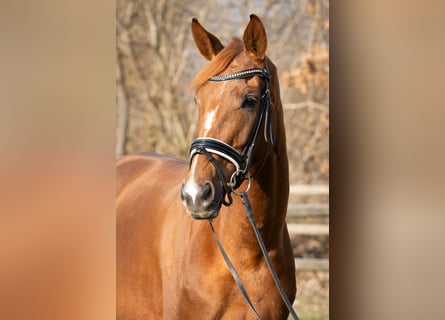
309	210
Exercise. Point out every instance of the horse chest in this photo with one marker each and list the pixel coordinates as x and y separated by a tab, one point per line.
208	291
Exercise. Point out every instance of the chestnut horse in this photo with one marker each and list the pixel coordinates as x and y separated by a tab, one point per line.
168	264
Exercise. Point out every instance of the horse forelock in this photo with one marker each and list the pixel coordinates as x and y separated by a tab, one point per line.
219	63
222	61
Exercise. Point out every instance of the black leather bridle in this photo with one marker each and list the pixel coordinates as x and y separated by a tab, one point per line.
242	161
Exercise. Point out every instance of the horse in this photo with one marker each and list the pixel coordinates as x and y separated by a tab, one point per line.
168	264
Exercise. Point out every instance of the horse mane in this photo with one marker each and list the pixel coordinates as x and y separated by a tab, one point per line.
219	63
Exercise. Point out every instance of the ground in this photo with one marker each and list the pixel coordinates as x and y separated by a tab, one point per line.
312	301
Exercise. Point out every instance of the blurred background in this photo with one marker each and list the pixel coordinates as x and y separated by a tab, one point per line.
157	59
58	132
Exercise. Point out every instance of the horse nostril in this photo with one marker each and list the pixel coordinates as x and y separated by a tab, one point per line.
186	197
207	192
182	193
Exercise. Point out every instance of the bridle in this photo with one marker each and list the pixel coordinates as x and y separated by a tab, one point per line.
242	161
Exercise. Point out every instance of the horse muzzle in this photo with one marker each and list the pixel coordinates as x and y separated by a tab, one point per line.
202	201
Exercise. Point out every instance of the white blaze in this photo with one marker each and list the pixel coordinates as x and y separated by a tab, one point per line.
210	116
208	122
191	187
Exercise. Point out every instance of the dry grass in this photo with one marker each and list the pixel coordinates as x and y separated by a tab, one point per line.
312	301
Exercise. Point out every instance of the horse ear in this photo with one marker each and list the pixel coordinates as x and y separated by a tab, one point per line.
207	43
255	39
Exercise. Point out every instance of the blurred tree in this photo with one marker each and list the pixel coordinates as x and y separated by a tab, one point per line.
152	56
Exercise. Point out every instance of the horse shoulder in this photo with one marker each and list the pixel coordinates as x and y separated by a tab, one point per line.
130	167
147	186
127	169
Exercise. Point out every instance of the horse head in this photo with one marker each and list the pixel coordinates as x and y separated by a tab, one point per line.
232	94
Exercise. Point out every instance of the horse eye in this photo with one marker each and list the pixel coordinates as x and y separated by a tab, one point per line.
249	102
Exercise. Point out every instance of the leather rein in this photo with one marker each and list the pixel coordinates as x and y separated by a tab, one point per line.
242	162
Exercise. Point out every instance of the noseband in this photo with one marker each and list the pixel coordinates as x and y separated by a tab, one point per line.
242	161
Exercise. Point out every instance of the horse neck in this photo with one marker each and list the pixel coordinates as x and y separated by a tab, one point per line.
268	195
270	189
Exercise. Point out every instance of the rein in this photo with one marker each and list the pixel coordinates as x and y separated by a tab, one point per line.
251	218
242	162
